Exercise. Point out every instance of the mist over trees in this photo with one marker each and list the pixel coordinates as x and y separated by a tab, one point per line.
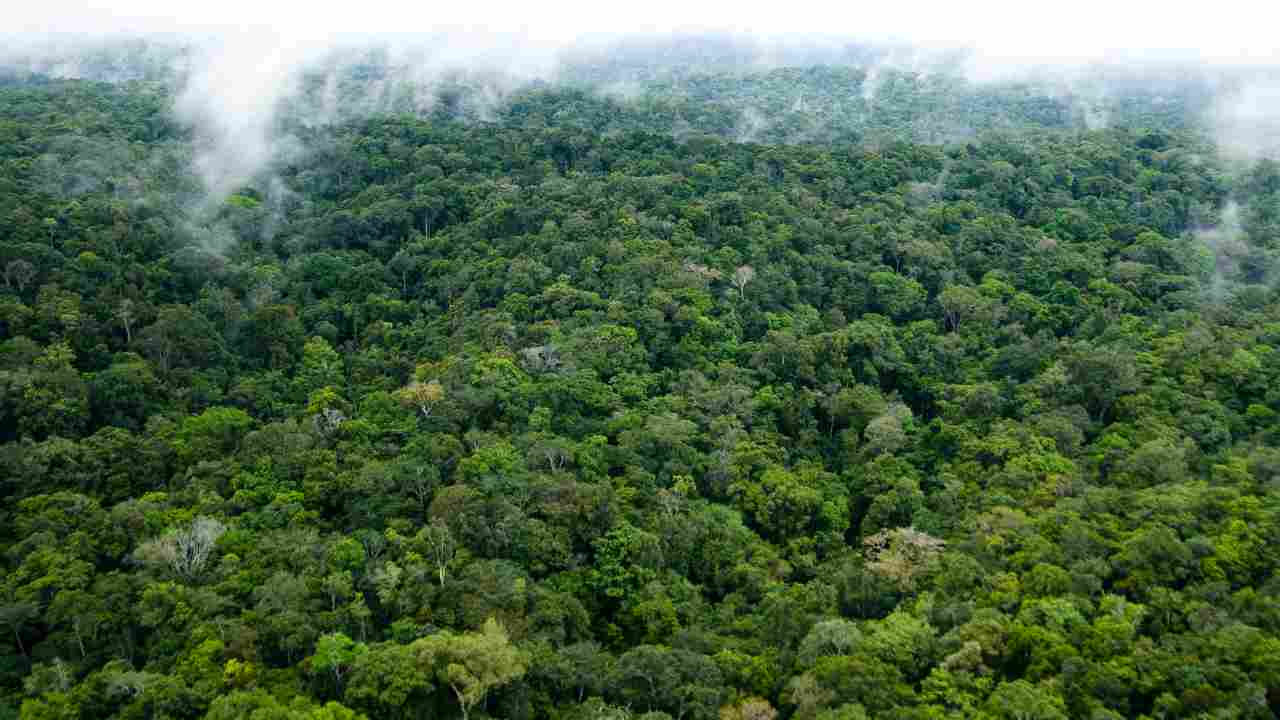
686	380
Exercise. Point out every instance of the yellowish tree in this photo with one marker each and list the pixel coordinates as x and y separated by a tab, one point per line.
473	664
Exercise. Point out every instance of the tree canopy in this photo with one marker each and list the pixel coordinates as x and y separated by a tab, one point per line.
921	400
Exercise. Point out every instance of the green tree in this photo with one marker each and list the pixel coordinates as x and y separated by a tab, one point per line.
336	654
472	665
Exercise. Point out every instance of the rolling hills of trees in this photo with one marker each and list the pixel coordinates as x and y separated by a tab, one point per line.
747	394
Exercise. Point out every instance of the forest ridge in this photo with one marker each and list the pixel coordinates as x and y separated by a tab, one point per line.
675	391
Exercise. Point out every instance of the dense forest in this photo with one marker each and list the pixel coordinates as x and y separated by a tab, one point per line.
825	391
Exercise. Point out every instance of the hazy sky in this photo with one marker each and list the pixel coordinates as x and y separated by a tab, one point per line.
1225	31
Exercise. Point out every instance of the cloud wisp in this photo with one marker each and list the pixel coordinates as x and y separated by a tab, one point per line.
233	77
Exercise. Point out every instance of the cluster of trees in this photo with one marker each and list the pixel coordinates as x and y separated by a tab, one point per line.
553	418
864	104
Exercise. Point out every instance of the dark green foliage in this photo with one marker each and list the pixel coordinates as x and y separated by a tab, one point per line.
588	411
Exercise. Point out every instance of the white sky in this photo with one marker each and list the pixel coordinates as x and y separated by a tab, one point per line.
1223	31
